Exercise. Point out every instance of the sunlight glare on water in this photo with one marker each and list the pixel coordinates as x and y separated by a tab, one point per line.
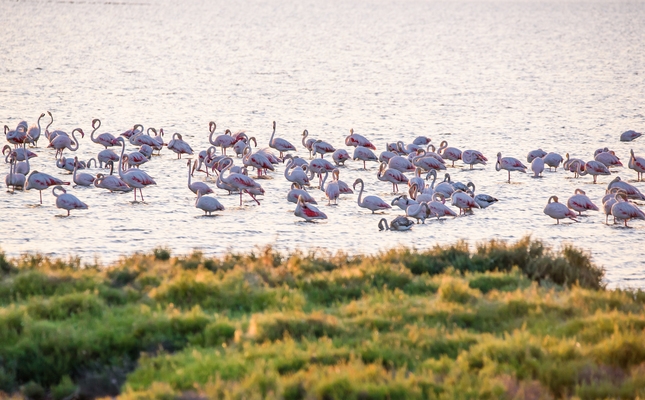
492	76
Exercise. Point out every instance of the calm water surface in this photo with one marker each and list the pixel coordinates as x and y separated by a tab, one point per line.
492	76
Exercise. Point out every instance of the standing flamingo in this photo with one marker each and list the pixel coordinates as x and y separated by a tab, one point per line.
41	181
449	153
179	146
33	133
135	178
472	157
391	175
340	156
308	211
630	190
296	192
418	211
197	186
537	166
637	164
104	139
14	179
484	200
322	148
364	154
463	201
594	168
67	201
296	174
372	203
207	204
509	164
332	191
280	144
62	142
533	154
81	179
256	160
240	182
626	210
439	208
223	141
553	160
356	140
558	211
580	202
308	143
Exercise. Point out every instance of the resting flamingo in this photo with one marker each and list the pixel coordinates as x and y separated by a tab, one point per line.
196	186
401	164
207	204
509	164
608	158
135	178
594	168
67	201
463	201
104	139
533	154
637	164
41	181
372	203
296	192
403	202
537	166
179	146
630	135
553	160
81	179
322	148
558	211
418	211
580	202
472	157
356	140
626	210
280	144
630	190
308	211
340	156
240	182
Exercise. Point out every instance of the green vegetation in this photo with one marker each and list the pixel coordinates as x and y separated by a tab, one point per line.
503	321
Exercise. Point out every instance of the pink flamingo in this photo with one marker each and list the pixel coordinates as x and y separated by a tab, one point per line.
197	186
67	201
14	179
558	211
340	156
62	142
332	191
207	204
20	154
625	210
135	178
463	201
356	140
608	158
240	182
106	156
537	166
427	162
296	175
342	186
594	168
553	160
307	211
418	211
637	164
580	202
104	139
256	160
130	132
438	206
509	164
41	181
308	143
401	164
630	135
322	148
372	203
223	141
17	136
280	144
472	157
179	146
421	140
81	179
393	176
364	154
533	154
449	153
296	192
33	134
630	190
240	145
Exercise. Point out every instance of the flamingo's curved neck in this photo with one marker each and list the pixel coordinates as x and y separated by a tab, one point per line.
360	193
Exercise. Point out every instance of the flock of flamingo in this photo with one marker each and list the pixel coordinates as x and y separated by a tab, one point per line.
424	197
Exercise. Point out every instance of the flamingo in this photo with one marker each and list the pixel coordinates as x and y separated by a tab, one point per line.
386	156
159	139
421	140
20	154
139	138
630	190
17	136
256	160
179	146
608	158
135	159
33	133
240	182
207	204
223	141
427	162
41	181
322	148
62	142
483	200
637	164
135	178
240	145
418	211
552	160
296	175
422	194
438	206
558	211
403	202
81	179
444	187
400	163
463	201
332	191
356	140
21	167
111	182
14	179
308	143
420	182
67	201
449	153
537	166
399	223
146	151
626	210
340	156
372	203
104	139
569	163
307	211
533	154
608	202
407	148
594	168
630	135
509	164
342	186
472	157
296	192
391	175
280	144
580	202
431	152
106	156
364	154
130	132
197	186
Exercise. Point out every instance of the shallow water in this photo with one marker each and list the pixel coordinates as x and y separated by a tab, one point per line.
491	76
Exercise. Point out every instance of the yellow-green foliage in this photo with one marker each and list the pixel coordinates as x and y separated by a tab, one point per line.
509	321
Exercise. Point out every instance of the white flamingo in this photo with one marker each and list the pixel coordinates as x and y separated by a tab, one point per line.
472	157
14	179
630	190
135	178
391	175
332	191
553	160
81	179
208	204
280	144
179	146
67	201
196	186
580	202
296	174
372	203
33	133
418	211
533	154
637	164
463	201
630	135
296	192
104	139
558	211
340	156
509	164
240	182
625	210
308	211
482	199
364	154
41	181
449	153
356	140
537	166
62	142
